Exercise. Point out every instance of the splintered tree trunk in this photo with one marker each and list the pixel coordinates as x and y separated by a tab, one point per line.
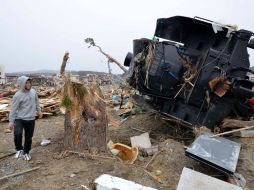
85	118
65	59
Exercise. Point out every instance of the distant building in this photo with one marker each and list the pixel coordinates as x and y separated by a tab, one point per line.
2	75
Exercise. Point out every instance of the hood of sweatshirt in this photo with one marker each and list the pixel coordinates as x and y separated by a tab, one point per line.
22	82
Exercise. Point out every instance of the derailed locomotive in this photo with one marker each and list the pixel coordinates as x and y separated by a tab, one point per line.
196	70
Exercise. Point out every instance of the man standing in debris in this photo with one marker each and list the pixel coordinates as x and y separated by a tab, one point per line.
25	106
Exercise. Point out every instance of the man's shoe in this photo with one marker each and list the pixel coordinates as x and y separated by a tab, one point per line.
18	154
27	157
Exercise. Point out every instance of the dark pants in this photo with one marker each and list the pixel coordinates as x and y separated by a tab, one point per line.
28	127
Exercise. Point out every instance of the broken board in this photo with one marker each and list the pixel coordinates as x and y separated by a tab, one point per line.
193	180
108	182
217	152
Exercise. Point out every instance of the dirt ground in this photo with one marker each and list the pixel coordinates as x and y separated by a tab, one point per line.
71	171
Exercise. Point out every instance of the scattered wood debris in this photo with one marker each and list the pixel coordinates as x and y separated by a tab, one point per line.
49	103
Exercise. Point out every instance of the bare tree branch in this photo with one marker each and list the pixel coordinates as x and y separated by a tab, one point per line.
109	57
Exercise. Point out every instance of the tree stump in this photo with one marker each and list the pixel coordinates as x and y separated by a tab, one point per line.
85	117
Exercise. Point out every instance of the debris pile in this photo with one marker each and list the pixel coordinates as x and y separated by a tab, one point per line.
4	108
50	105
101	80
49	100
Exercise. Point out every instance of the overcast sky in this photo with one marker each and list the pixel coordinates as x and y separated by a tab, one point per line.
35	34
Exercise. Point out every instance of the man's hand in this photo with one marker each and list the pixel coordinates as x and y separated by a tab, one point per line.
11	125
40	115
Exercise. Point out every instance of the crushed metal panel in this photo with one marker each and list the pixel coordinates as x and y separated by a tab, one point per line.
193	180
218	152
179	28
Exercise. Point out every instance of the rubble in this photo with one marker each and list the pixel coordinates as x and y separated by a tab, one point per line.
49	102
101	80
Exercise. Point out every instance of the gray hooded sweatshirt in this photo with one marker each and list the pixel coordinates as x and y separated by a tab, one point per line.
25	103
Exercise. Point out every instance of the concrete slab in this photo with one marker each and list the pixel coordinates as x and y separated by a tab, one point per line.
108	182
193	180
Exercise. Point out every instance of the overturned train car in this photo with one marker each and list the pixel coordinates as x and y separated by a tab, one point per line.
195	70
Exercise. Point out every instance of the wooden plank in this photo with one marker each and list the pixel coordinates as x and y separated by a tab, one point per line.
19	173
233	131
47	113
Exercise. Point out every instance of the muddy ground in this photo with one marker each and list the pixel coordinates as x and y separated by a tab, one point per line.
71	171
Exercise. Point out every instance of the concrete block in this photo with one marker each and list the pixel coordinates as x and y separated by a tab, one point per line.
142	141
108	182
